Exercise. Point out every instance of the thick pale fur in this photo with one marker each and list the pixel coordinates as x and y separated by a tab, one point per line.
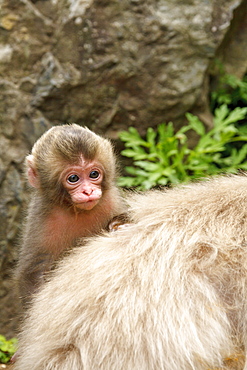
169	292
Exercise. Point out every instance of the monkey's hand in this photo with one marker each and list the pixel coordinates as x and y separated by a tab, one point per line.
118	222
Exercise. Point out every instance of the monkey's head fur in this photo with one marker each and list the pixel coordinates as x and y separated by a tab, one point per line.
63	145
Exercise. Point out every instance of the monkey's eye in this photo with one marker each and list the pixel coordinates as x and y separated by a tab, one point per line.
94	174
73	178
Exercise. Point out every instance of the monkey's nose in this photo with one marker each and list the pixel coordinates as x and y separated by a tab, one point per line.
87	191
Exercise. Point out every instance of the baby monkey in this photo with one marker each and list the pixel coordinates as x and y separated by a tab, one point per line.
73	173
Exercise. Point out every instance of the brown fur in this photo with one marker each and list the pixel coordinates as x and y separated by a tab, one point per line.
168	292
54	221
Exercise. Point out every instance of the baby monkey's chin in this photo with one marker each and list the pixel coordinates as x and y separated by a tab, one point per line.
87	206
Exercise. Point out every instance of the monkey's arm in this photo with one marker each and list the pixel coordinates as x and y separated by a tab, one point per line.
30	273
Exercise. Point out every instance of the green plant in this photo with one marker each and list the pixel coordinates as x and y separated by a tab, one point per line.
230	89
164	157
7	348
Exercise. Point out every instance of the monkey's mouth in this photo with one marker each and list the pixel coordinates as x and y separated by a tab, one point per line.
87	205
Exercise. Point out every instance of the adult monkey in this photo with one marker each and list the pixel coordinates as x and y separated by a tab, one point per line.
167	292
73	173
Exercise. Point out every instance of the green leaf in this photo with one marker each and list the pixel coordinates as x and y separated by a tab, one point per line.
220	115
181	137
163	181
7	348
195	124
128	153
151	135
132	136
151	167
126	182
236	115
224	117
239	156
131	170
146	185
154	177
165	131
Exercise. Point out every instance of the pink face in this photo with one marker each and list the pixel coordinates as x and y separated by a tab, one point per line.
83	183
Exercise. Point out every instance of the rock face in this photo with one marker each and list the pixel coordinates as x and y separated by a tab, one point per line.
105	64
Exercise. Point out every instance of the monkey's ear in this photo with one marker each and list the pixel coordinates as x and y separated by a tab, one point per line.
32	172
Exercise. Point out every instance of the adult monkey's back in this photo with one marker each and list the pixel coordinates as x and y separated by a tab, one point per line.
168	292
